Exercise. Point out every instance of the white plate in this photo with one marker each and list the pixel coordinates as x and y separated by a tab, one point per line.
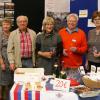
89	94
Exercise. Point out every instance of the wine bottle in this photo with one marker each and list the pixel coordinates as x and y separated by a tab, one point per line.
56	70
63	75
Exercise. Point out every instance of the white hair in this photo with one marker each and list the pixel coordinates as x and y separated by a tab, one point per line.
73	14
22	16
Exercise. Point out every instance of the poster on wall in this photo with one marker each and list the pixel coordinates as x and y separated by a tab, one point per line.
83	13
57	6
6	11
1	5
5	0
58	9
90	23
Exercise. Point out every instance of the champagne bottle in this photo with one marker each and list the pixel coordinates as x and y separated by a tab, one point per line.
63	72
56	70
63	75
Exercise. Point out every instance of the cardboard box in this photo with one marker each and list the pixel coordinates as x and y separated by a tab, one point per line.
28	74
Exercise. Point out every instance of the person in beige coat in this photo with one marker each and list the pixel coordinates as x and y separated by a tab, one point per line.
21	45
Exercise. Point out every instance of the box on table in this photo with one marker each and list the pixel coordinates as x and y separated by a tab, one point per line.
28	74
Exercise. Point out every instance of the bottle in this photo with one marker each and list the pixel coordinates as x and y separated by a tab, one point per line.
63	75
56	70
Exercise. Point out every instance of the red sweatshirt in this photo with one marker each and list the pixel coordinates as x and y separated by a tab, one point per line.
75	39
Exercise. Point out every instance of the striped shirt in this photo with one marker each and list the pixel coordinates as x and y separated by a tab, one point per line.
26	45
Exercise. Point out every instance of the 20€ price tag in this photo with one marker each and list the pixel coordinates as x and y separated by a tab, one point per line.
61	84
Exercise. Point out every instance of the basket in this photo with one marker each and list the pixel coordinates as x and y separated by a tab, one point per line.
90	83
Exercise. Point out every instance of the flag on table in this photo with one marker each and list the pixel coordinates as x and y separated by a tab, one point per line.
21	92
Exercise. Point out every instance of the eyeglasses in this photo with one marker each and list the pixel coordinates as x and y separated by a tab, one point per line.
97	19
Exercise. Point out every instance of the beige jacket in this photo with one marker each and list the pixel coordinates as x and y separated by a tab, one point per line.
13	49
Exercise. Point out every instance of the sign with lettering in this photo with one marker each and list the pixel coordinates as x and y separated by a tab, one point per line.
61	85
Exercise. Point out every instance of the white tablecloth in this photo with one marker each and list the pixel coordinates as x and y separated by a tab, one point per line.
18	93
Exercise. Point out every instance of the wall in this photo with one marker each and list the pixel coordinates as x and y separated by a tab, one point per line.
33	9
90	5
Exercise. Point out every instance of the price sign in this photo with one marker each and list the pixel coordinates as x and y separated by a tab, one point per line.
61	84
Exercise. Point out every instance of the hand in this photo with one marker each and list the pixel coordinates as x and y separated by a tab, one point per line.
12	67
65	52
3	67
73	49
46	54
96	54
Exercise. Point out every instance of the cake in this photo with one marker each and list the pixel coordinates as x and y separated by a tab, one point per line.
92	80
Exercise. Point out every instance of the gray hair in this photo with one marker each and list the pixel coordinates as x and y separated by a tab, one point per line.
22	16
73	14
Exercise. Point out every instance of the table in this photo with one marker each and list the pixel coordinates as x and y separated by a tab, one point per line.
18	93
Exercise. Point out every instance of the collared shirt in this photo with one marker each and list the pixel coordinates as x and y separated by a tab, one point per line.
70	32
26	45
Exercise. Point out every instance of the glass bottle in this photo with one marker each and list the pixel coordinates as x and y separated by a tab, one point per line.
62	72
63	75
56	70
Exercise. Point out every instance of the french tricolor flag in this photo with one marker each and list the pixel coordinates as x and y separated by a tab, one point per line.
20	92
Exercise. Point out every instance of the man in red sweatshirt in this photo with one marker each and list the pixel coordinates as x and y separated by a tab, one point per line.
74	45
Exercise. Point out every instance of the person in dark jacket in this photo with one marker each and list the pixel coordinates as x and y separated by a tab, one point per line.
6	75
48	46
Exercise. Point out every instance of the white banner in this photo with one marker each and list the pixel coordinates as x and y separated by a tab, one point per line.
57	6
58	9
